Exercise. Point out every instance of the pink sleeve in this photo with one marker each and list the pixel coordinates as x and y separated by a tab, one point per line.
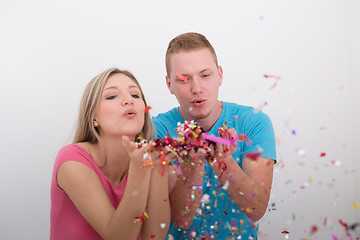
71	152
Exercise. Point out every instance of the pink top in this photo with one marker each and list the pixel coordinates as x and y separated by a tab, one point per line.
66	222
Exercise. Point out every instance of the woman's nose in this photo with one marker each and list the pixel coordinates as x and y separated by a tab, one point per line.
128	100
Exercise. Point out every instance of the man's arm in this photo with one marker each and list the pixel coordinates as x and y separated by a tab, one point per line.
249	187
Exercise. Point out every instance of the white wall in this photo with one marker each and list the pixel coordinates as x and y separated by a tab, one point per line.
49	51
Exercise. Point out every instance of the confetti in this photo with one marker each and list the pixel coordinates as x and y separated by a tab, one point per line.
250	195
353	226
313	229
356	206
141	218
260	107
285	232
323	154
345	225
277	78
147	108
215	139
163	225
253	156
182	77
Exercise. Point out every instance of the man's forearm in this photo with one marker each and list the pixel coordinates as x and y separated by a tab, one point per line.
249	194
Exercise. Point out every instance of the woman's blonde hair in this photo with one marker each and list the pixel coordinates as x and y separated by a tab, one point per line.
85	130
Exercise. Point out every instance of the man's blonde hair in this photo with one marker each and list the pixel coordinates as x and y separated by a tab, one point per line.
85	130
186	42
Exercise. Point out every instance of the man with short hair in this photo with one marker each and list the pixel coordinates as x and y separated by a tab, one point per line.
224	198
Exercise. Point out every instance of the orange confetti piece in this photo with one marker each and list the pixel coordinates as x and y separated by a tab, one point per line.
182	77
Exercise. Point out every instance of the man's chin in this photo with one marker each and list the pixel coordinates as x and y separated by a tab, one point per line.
199	116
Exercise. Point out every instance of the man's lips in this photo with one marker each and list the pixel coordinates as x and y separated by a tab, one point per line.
198	102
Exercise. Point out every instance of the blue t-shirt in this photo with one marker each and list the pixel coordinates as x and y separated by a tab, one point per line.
221	218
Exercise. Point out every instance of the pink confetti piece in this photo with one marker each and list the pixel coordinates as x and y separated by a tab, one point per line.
250	195
334	237
277	78
215	139
232	139
349	235
260	107
182	77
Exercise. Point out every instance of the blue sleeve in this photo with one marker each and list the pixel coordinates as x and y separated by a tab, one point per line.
159	128
260	132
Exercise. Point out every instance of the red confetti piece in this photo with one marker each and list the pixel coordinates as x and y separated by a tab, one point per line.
253	156
285	232
325	221
182	77
225	213
163	163
152	236
314	229
345	225
141	218
243	137
322	154
147	108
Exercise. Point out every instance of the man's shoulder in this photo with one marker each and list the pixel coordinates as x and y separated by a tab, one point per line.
166	116
245	113
237	109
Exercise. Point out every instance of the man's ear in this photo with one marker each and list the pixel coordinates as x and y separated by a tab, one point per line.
168	84
221	74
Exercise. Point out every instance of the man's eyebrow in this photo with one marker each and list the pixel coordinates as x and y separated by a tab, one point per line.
206	69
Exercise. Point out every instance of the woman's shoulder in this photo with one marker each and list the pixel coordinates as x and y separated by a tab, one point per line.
73	152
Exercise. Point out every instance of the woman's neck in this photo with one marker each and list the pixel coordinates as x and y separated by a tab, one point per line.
112	158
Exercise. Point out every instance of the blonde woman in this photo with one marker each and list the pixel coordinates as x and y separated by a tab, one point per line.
99	188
